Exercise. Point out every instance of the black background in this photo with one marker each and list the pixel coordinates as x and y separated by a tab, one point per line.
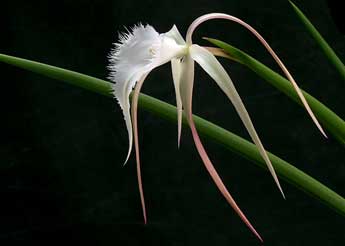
62	148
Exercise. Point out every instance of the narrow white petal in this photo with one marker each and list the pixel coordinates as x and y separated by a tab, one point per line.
176	73
186	84
136	142
186	89
211	65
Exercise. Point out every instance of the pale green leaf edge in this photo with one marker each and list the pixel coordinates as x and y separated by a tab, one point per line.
209	130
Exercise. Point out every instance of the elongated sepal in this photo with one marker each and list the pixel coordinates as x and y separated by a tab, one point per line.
216	71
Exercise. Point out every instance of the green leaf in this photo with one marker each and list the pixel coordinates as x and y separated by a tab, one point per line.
209	130
332	57
332	122
74	78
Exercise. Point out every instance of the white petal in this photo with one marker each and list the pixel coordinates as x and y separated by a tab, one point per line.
176	67
121	92
176	35
138	53
168	49
210	64
186	84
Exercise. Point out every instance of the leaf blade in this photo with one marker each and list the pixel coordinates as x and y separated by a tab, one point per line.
213	132
327	50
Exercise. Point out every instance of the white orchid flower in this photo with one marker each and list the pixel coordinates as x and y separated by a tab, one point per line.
144	49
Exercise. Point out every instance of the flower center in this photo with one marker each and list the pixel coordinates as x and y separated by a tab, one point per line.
152	51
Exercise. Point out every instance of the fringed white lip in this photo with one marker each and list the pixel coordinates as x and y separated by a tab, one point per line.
138	52
143	49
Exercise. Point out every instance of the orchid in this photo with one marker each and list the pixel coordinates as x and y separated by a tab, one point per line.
143	49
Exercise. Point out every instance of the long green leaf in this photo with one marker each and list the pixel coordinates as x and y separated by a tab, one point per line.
213	132
332	122
333	58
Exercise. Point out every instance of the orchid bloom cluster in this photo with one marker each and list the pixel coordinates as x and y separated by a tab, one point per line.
144	49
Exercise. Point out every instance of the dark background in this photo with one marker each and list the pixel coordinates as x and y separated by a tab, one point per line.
62	148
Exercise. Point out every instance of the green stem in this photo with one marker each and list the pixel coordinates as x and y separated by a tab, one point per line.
211	131
332	122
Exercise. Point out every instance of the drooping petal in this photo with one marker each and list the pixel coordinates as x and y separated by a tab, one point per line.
136	141
211	65
186	88
176	71
137	53
206	17
212	171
